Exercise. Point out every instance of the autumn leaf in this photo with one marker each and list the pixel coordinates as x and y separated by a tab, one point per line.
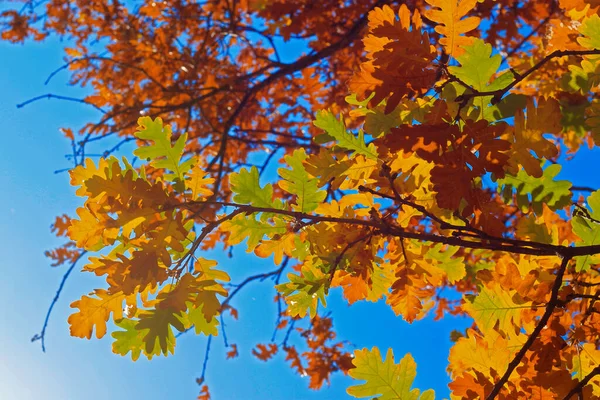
129	340
336	130
201	323
265	352
242	227
528	135
449	16
384	378
175	296
494	307
246	188
233	352
303	292
298	182
399	58
590	29
278	246
447	261
477	67
207	270
94	312
92	230
587	228
488	355
587	358
156	324
204	393
88	170
534	192
160	153
197	183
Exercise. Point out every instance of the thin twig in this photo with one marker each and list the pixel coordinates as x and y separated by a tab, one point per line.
42	335
59	97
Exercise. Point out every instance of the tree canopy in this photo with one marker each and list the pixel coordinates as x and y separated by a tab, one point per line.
409	154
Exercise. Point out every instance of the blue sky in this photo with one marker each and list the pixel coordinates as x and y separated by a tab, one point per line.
32	195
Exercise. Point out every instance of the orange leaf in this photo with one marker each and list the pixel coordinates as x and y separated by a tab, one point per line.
448	14
400	58
94	312
233	352
263	352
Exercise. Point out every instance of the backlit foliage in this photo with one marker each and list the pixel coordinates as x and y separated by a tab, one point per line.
417	149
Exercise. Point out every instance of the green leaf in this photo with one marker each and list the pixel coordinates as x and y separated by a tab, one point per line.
495	307
298	182
336	129
527	227
129	340
201	324
573	117
537	191
477	68
303	292
385	379
581	78
453	266
159	335
588	231
590	28
243	227
246	188
378	122
160	153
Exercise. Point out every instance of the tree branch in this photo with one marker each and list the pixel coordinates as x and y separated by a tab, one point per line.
42	335
551	305
499	93
577	389
385	228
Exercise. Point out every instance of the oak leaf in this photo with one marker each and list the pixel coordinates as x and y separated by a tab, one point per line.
494	308
265	352
156	324
449	16
161	153
384	378
246	188
94	312
298	182
336	130
400	58
129	340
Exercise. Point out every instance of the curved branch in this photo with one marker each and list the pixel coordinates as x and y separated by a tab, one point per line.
59	97
42	335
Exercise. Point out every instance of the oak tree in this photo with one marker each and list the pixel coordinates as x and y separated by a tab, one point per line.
417	146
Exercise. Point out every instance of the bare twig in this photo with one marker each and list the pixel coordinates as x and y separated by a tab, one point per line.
42	335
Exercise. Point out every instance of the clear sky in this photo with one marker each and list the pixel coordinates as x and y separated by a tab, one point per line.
72	369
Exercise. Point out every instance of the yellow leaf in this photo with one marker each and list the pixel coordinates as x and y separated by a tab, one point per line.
95	312
92	231
277	246
384	379
197	182
497	307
